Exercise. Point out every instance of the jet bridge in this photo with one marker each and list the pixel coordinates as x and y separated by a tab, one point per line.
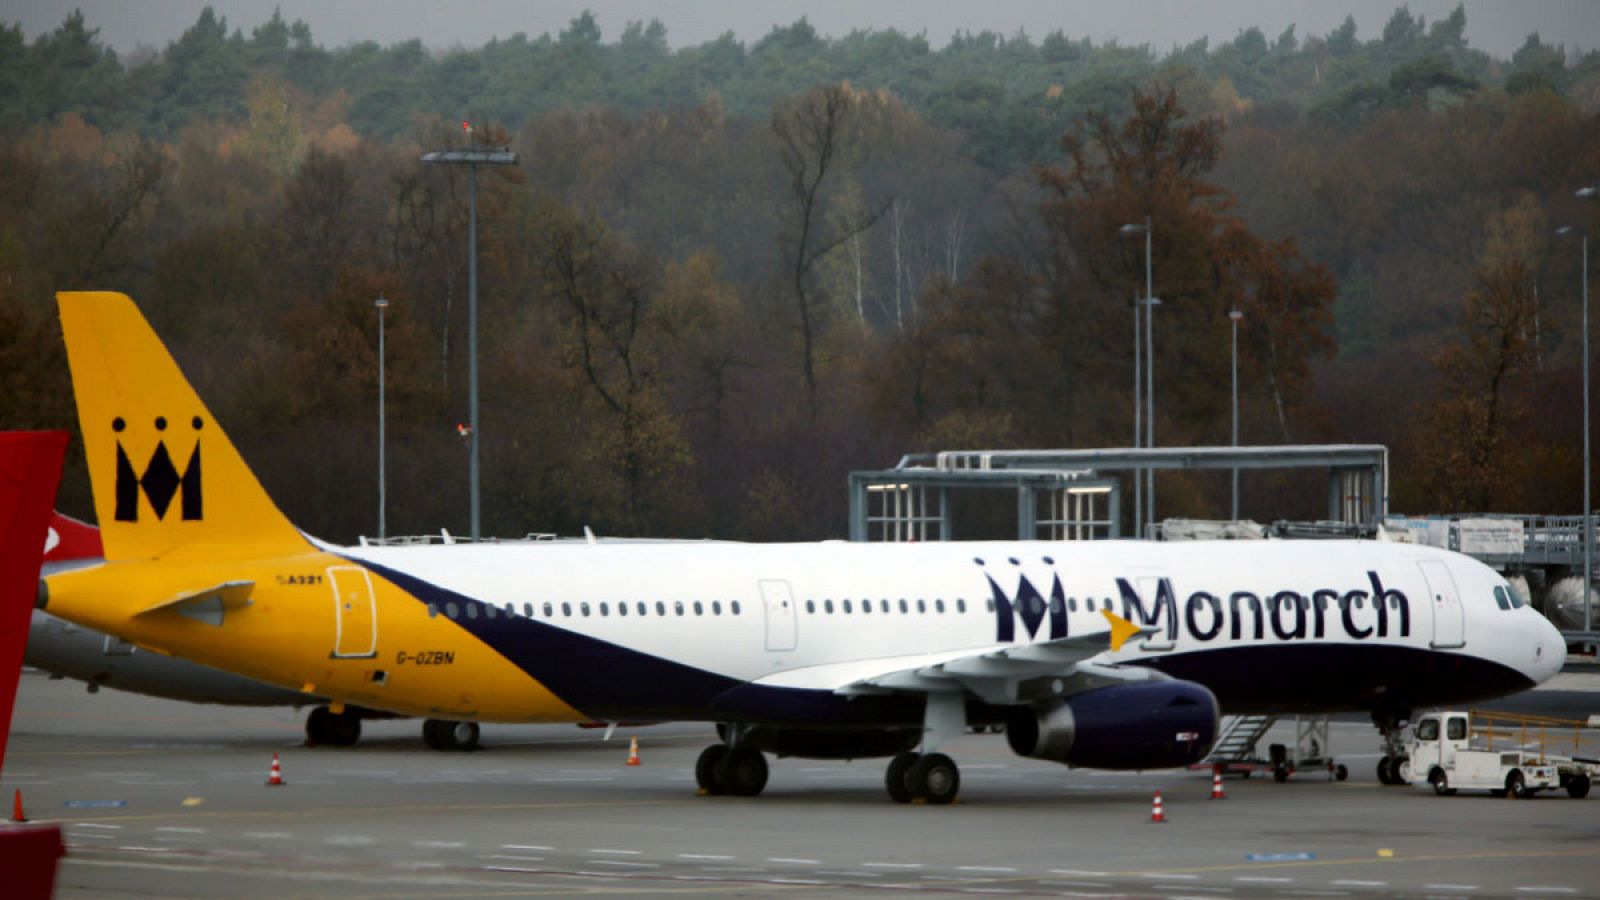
1076	494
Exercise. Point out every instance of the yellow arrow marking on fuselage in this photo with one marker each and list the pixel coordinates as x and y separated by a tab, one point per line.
1121	629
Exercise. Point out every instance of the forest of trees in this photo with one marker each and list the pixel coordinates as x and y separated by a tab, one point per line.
724	275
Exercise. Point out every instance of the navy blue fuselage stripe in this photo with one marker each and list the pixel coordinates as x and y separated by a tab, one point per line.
596	677
1311	677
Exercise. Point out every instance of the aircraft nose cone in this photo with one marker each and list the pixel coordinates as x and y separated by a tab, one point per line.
1549	650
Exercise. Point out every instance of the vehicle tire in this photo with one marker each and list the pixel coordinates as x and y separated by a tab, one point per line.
1341	772
1441	784
1280	774
896	779
1383	770
1578	787
1517	786
1401	770
742	772
705	769
934	779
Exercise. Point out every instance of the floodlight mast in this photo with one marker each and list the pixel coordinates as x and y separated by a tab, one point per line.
472	157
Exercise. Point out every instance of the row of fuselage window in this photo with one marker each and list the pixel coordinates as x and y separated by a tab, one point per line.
826	607
715	607
585	609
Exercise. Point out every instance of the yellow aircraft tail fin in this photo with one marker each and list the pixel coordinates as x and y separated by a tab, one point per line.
165	476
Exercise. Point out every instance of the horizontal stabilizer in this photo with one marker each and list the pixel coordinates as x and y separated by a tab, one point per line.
208	604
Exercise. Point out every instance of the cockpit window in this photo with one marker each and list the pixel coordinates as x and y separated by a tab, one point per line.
1500	598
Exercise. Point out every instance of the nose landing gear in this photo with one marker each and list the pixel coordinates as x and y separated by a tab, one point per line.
1394	768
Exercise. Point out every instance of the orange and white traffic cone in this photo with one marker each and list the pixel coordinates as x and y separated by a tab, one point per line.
1156	815
633	752
275	776
1216	784
16	811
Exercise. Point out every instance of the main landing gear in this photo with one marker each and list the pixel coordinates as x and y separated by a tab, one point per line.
737	767
333	729
734	771
930	778
1394	768
444	734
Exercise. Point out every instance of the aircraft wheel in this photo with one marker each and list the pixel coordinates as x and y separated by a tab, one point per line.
1578	787
324	726
934	779
896	777
346	729
705	768
1517	786
1341	772
446	735
742	772
1386	770
1280	774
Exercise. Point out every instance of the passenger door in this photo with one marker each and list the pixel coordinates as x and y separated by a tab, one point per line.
1449	620
354	613
1454	739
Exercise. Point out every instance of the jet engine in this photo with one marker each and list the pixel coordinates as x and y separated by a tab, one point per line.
1152	725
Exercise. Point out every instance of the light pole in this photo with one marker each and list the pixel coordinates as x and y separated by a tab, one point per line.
1138	420
383	525
1234	316
1586	193
472	157
1150	304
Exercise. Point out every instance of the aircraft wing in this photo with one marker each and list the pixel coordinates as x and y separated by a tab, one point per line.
1002	673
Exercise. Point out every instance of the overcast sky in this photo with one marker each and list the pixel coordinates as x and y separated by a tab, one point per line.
1498	26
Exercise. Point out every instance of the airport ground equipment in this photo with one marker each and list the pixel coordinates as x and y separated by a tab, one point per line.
1508	756
1236	750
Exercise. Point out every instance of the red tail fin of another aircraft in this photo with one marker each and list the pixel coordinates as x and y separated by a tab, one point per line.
30	469
69	539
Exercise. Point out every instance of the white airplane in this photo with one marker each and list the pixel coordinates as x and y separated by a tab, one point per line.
1100	654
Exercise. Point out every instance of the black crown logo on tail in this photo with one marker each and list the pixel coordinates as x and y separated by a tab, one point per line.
161	480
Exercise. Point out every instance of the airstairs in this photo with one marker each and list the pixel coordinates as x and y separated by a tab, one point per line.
1235	749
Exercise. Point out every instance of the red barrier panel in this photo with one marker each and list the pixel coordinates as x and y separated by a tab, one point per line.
28	855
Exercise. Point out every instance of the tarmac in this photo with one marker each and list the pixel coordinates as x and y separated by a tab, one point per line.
160	798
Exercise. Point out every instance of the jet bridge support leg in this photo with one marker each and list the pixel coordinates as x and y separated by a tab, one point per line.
931	777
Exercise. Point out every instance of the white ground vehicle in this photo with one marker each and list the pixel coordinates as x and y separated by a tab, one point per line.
1458	750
